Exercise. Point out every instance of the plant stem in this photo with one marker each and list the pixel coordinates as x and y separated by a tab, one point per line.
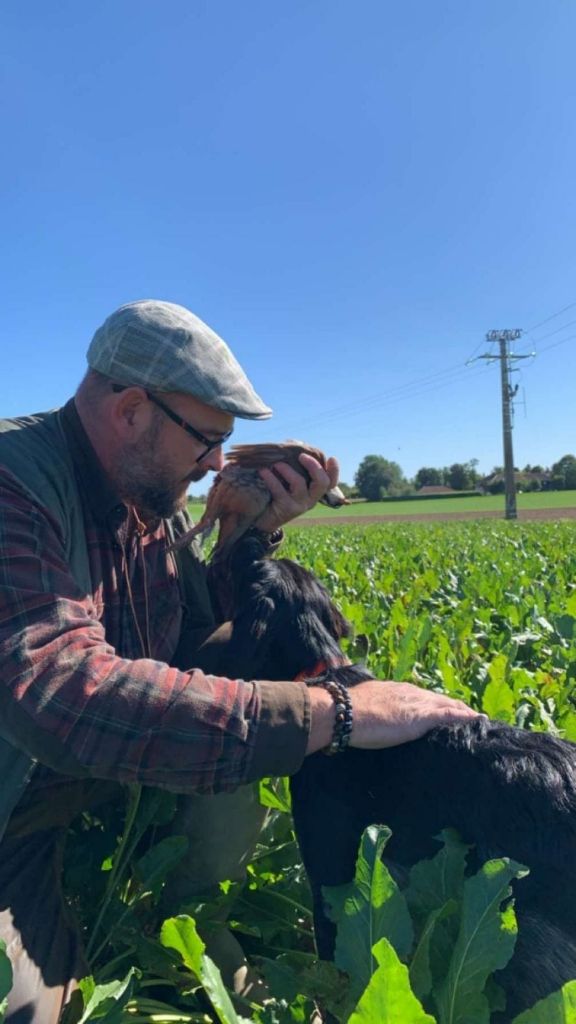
133	804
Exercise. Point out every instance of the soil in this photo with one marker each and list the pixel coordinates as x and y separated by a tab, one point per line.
438	517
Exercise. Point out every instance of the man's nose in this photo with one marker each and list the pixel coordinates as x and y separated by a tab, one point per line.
214	460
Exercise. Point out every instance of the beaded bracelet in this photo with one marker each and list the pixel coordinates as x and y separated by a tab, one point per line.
344	715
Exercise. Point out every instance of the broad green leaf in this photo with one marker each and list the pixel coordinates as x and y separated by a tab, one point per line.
273	912
485	944
5	978
420	971
569	726
565	625
275	793
151	807
281	977
317	980
433	882
105	1002
407	653
368	909
495	995
180	933
159	960
217	994
498	668
559	1008
498	700
388	998
156	864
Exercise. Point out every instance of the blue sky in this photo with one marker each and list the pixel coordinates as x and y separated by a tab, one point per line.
351	194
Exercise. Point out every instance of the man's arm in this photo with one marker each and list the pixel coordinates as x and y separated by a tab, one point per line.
69	701
385	714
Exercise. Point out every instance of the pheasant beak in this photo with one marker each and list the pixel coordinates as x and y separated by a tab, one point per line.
334	498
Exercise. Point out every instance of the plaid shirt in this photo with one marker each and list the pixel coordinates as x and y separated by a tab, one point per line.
85	682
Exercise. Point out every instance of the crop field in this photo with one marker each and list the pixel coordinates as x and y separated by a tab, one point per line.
483	504
485	611
542	504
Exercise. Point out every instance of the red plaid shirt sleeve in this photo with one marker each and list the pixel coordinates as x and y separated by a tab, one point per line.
72	703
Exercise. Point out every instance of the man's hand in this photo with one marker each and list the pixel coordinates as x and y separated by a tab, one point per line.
295	496
385	714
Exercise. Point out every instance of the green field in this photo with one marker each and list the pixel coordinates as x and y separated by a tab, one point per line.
444	506
433	506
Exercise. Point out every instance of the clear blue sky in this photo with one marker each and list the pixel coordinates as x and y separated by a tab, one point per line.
351	194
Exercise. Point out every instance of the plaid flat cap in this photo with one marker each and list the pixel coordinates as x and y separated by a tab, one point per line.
161	346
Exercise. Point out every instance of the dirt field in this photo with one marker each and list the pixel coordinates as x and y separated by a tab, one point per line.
438	517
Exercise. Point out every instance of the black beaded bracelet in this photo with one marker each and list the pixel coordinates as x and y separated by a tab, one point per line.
344	715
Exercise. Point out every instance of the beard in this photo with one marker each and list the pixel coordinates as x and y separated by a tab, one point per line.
147	483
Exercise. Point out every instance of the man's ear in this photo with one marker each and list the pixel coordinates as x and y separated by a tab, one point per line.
131	414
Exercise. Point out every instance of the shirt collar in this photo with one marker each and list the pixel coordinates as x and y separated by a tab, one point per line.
99	492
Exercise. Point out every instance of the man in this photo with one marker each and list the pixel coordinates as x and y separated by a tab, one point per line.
96	612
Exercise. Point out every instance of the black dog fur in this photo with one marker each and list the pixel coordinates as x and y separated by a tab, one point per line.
507	791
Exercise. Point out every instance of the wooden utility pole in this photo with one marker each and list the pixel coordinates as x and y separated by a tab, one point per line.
504	338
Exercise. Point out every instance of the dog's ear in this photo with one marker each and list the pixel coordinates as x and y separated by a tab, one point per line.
252	634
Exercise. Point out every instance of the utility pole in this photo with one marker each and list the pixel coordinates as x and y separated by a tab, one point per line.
508	392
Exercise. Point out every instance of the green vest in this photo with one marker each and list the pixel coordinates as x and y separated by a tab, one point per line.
34	449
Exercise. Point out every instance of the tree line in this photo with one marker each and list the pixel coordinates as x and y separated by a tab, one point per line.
378	477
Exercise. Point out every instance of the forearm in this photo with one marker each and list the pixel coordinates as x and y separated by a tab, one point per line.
141	721
385	714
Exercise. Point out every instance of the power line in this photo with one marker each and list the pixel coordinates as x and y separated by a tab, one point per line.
407	392
549	318
415	388
554	344
559	342
400	391
557	331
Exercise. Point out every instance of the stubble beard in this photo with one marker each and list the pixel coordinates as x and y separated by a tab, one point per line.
145	481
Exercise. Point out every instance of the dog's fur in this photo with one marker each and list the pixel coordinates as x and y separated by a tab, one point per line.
507	791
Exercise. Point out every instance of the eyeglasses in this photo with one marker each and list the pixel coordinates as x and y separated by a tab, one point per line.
210	445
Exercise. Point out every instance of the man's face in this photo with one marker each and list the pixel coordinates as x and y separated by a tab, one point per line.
158	468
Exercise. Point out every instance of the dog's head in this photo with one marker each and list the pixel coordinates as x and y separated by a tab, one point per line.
285	623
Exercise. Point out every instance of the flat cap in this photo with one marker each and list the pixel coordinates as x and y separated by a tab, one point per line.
161	346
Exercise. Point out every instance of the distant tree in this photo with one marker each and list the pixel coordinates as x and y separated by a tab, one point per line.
498	487
531	484
377	476
564	471
462	476
428	477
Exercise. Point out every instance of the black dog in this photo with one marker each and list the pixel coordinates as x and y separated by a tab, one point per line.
506	791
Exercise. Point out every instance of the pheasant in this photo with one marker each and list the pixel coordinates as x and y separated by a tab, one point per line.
239	495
